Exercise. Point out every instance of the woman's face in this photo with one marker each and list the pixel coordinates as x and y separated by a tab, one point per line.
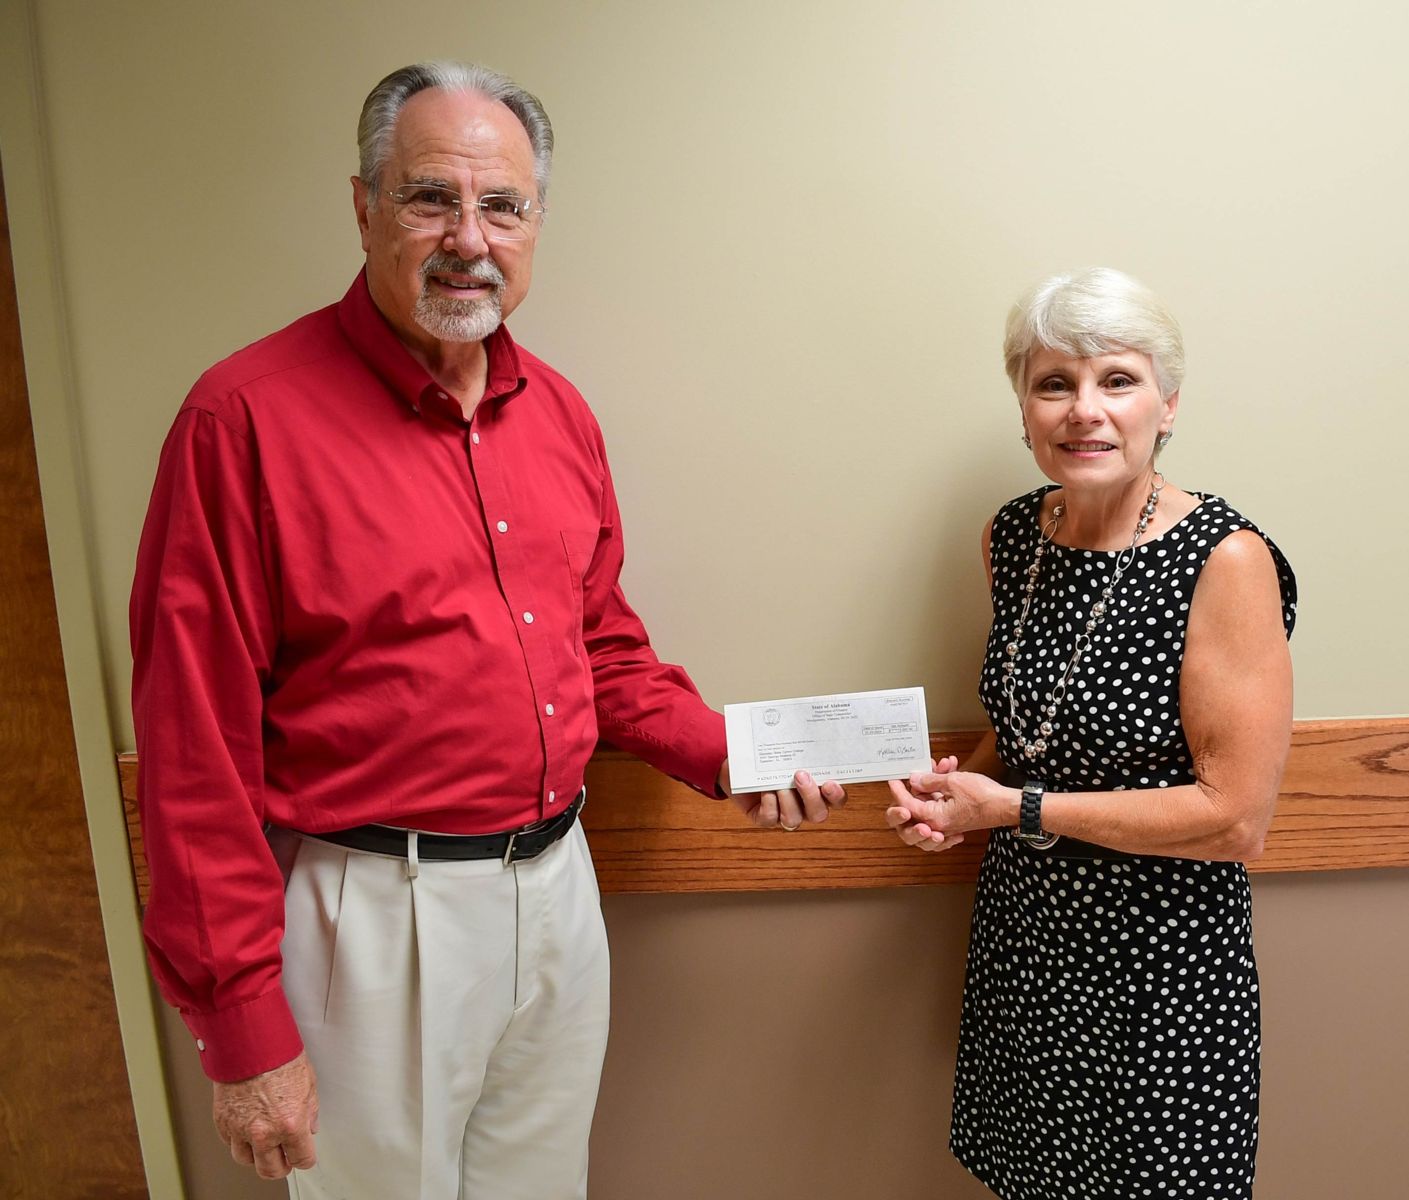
1093	421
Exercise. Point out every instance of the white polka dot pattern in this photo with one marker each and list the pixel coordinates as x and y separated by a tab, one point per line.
1109	1045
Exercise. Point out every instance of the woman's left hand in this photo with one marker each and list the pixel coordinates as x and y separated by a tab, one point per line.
938	807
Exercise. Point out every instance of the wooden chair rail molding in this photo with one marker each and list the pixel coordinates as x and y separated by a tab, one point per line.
1344	804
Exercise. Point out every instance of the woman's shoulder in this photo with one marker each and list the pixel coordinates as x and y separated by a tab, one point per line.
1215	521
1025	506
1014	524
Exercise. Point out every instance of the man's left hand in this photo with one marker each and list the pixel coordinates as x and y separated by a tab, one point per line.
787	808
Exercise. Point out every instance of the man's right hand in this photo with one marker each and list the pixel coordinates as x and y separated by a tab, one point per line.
269	1121
786	808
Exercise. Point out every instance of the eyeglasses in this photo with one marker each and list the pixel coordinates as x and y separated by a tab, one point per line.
430	209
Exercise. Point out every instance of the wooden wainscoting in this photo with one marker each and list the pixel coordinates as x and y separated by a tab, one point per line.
1344	804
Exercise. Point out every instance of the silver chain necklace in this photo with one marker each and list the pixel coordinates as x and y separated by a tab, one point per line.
1046	723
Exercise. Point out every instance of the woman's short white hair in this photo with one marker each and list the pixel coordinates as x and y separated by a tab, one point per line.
1091	312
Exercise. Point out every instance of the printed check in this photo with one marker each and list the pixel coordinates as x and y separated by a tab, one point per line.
853	737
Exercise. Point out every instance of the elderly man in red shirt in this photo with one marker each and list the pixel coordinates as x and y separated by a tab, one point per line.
377	631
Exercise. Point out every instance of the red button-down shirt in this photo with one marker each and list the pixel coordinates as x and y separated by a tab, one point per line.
352	605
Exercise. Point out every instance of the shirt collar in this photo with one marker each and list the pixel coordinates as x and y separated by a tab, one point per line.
376	343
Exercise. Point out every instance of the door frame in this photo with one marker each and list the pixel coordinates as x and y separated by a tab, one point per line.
59	454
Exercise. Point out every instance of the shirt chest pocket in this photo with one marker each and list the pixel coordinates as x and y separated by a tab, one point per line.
578	547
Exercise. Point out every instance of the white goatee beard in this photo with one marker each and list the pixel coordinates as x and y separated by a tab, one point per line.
449	320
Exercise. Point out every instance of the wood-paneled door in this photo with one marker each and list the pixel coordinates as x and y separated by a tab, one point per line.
67	1130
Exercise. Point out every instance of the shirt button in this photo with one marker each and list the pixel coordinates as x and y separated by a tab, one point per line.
442	395
200	1044
502	527
528	618
548	708
552	796
474	437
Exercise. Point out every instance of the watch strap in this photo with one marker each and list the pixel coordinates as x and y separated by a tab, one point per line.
1030	817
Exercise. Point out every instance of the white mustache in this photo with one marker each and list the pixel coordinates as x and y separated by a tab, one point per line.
483	270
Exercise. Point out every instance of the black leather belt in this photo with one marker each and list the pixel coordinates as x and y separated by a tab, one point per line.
513	845
1065	847
1070	847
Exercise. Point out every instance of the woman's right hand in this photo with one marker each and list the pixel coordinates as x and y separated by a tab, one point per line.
911	828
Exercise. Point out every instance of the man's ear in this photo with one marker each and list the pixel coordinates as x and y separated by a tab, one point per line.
360	195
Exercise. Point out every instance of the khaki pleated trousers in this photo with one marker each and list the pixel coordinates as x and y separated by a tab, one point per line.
456	1015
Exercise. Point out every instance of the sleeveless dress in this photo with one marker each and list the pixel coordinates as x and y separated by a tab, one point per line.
1110	1036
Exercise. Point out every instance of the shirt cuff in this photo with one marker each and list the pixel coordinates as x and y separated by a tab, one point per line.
701	749
247	1040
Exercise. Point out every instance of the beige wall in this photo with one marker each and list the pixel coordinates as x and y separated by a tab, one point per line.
782	241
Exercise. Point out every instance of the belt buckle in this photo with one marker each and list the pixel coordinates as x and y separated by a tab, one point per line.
539	826
532	827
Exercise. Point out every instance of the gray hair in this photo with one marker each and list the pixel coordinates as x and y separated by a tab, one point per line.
1091	312
385	101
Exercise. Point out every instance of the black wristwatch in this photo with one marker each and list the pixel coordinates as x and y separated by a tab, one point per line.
1029	828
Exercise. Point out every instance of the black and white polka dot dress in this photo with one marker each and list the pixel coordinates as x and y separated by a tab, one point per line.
1109	1045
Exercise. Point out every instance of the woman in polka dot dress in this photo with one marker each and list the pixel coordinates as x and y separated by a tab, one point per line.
1139	686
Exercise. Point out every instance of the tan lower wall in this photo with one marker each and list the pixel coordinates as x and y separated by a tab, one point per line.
799	1047
1334	963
